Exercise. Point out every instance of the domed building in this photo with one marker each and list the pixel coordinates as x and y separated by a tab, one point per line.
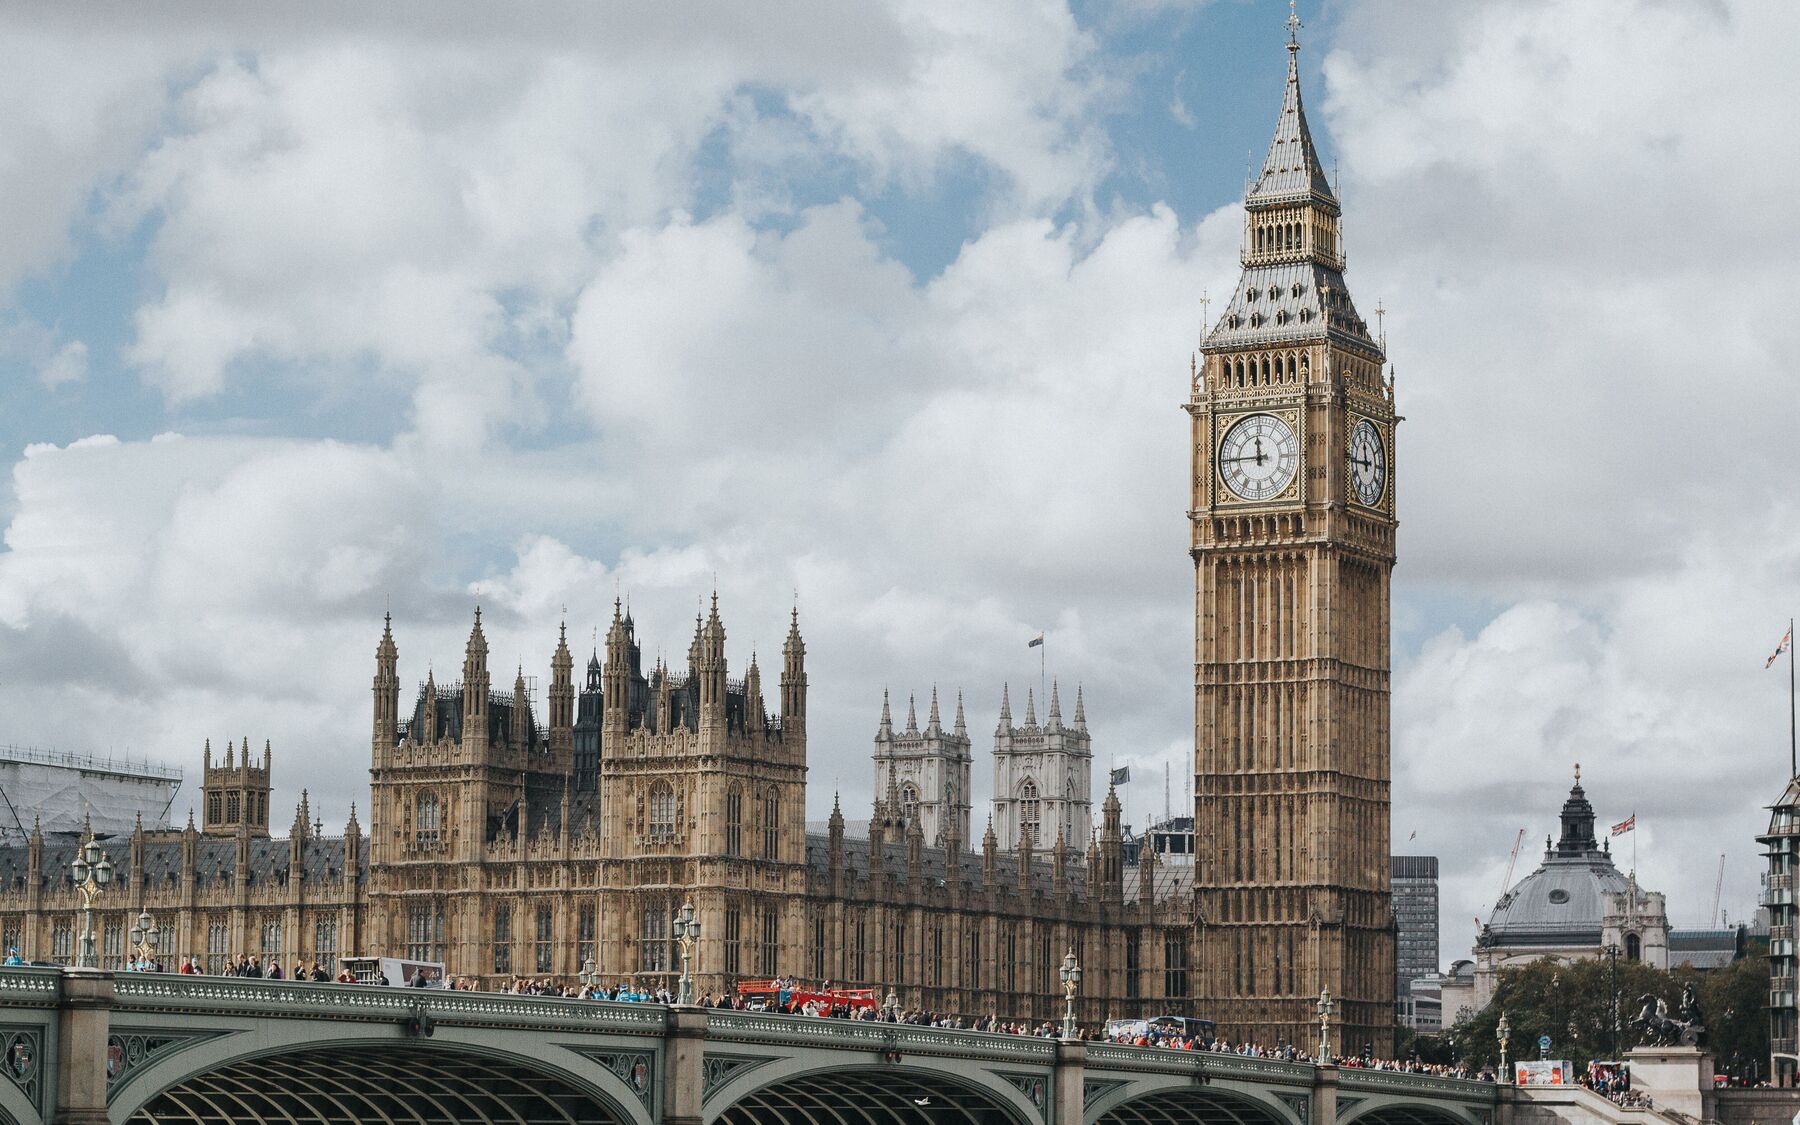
1577	904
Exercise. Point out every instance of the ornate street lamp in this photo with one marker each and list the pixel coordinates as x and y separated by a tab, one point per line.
1324	1026
892	1005
1071	978
1503	1032
1612	969
145	937
92	871
589	976
687	932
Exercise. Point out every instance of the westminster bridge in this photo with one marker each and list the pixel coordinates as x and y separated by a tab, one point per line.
87	1047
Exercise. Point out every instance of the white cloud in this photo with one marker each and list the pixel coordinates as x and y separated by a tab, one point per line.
68	365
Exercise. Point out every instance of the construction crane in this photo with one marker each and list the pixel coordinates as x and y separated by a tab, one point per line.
1506	881
1718	889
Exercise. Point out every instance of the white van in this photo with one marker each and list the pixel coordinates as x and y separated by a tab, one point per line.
395	971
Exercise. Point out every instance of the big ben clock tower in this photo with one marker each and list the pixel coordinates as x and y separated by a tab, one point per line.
1293	542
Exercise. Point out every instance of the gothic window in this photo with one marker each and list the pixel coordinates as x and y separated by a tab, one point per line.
1134	966
218	939
1045	958
655	934
734	821
859	951
1175	976
899	966
428	823
1012	960
325	938
10	942
662	810
215	807
1028	812
271	939
771	827
546	939
232	807
1633	947
771	941
734	941
909	801
818	947
112	945
425	931
503	938
62	942
972	958
587	922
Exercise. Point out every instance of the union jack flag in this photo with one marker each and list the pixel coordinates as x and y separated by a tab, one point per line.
1626	825
1787	642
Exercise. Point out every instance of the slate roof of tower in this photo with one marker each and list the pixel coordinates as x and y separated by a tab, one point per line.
1291	171
1293	302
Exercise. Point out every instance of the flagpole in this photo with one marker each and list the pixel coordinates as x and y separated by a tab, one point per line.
1793	764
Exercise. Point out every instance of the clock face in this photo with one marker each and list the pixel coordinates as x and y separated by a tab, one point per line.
1368	463
1259	457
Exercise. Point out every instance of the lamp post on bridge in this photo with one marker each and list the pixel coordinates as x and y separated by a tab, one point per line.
1071	978
1324	1007
92	871
145	937
589	976
1612	972
687	933
1503	1032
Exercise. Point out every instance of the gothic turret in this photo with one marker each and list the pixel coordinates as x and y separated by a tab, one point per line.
793	683
562	700
475	693
386	689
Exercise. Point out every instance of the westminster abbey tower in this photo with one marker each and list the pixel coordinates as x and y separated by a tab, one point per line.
1293	541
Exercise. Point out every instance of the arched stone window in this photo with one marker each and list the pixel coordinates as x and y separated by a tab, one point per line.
428	819
771	826
734	820
662	809
909	800
1634	948
1029	812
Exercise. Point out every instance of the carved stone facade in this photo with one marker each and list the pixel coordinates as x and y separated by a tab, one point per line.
505	846
1043	776
1293	541
923	775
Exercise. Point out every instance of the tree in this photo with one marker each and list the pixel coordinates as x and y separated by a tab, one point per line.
1573	1002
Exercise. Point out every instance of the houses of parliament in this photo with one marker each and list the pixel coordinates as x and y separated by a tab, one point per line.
505	839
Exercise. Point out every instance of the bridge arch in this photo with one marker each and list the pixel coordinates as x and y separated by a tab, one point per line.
358	1080
789	1091
1399	1111
1189	1103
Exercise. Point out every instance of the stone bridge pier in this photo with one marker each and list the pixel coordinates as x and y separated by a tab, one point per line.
85	1047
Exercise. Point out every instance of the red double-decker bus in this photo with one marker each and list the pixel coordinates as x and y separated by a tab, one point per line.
786	994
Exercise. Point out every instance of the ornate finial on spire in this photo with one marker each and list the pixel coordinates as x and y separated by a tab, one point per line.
1578	773
1381	324
933	724
1293	25
912	715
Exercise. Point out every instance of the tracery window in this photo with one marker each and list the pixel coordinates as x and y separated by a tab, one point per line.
62	942
734	821
586	926
503	938
662	810
112	944
218	938
909	801
1175	966
546	939
271	940
771	941
1028	812
325	935
734	941
656	956
425	931
771	827
428	822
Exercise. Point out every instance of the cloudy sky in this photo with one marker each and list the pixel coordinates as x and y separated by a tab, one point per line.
892	305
